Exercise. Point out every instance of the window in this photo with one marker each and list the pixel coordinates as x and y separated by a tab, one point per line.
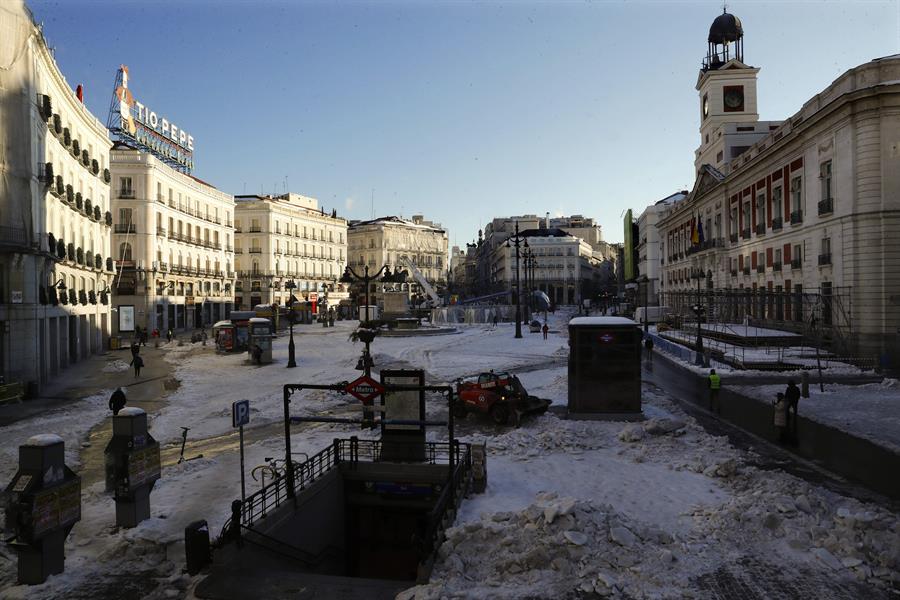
777	262
125	251
761	211
825	252
777	207
734	221
125	216
125	188
796	256
825	177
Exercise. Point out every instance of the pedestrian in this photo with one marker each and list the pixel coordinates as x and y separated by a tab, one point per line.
648	346
135	349
792	397
779	417
234	531
546	330
117	401
494	321
137	334
143	337
715	383
169	334
137	362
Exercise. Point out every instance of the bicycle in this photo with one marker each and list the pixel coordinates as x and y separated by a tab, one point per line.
181	458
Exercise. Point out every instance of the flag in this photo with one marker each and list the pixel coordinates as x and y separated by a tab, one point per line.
700	238
695	237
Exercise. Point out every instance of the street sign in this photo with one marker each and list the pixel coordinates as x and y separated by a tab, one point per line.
240	413
365	389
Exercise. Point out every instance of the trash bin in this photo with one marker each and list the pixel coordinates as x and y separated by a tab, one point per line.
196	546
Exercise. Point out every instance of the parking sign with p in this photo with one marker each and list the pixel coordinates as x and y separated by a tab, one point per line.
240	413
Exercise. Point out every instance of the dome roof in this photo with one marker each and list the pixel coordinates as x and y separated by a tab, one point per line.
726	28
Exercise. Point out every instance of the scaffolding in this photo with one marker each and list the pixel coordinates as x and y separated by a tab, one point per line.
759	321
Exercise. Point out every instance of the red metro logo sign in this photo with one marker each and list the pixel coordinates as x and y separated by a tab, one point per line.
365	389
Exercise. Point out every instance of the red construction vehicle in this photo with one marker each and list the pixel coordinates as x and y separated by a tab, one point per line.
500	395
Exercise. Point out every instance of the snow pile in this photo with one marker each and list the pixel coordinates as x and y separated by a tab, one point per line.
115	366
551	434
554	546
839	533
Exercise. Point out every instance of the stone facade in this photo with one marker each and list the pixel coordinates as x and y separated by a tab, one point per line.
173	241
798	228
287	239
54	213
393	241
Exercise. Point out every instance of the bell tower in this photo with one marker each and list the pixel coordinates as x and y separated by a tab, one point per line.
727	89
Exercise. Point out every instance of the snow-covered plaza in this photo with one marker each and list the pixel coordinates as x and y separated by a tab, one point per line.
573	509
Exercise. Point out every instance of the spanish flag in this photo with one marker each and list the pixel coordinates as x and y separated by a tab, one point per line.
695	233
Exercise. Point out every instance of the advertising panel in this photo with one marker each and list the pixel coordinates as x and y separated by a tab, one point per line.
139	125
56	508
126	318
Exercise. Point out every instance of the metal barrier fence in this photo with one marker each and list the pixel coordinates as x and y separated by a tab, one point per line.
270	497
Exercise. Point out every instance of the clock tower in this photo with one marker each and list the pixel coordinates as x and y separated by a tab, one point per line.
727	91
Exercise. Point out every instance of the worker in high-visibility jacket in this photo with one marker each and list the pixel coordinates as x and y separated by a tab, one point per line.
715	383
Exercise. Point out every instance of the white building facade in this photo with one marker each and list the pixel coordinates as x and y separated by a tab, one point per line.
800	229
55	267
173	237
394	241
288	242
650	247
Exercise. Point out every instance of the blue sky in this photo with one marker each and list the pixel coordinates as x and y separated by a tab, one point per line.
459	111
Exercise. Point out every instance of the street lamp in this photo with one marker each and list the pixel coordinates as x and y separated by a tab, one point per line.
350	276
699	310
529	277
517	241
290	285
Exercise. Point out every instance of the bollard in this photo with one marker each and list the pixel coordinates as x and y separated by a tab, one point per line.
43	503
132	466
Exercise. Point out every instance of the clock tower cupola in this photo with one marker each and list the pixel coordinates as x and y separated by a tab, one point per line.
727	89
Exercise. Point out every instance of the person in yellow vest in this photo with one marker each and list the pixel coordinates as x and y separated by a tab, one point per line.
715	382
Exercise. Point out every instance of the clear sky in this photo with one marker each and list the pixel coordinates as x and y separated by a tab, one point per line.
459	111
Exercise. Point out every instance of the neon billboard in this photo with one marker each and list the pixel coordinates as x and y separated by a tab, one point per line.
136	124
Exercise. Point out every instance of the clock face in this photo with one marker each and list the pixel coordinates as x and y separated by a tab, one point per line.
734	99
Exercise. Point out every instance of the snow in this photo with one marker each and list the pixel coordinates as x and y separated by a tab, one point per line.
571	507
870	411
131	411
43	439
602	321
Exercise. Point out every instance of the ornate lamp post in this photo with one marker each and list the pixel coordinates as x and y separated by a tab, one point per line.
350	276
699	310
516	241
292	316
530	260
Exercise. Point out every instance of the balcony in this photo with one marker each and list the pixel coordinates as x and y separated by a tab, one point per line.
776	224
796	217
746	270
825	259
255	250
238	230
796	263
160	199
746	233
733	238
124	228
256	229
826	207
760	268
776	266
126	195
163	267
161	231
760	229
734	272
238	250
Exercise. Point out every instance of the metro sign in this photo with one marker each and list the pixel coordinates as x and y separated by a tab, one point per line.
607	338
365	389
